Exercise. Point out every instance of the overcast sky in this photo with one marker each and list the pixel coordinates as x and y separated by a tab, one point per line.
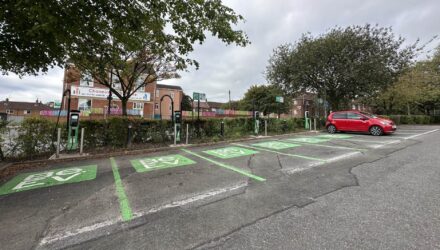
268	24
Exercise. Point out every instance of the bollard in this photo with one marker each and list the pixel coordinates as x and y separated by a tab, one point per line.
175	134
314	121
81	145
310	125
265	127
187	133
58	143
222	128
129	135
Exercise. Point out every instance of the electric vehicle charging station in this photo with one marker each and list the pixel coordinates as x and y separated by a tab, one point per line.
177	126
306	120
256	122
73	132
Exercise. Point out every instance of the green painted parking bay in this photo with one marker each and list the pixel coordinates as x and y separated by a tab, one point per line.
309	139
160	162
230	152
277	145
29	181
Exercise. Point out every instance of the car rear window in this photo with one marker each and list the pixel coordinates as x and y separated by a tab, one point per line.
340	116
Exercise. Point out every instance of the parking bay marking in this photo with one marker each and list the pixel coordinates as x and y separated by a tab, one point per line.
310	139
235	169
49	178
338	147
281	153
277	145
124	203
160	162
230	152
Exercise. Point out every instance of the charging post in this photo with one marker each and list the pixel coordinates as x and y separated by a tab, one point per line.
72	136
307	120
257	122
177	126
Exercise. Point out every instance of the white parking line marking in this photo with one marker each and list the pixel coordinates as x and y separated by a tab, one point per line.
431	131
371	141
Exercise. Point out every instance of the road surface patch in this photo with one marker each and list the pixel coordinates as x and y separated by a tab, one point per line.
329	136
277	145
223	165
230	152
49	178
124	203
309	139
160	162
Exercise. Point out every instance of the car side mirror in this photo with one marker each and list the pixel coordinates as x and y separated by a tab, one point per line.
364	118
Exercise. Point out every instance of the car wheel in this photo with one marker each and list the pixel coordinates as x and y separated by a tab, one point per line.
376	130
331	129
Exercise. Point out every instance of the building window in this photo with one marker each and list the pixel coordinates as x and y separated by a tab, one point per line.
138	105
84	104
86	80
157	93
295	102
156	106
9	111
26	112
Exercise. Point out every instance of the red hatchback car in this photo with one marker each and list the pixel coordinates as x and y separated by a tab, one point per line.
358	121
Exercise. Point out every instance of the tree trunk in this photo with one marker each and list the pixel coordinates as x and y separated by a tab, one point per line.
124	106
408	109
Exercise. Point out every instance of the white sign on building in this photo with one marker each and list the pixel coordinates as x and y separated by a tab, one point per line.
103	93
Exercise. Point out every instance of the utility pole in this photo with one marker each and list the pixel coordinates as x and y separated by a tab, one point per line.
229	99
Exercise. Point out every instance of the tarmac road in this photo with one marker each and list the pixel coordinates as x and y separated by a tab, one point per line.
349	191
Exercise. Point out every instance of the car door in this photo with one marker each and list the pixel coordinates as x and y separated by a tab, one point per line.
340	120
356	122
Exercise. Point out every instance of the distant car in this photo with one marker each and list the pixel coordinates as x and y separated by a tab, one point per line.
357	121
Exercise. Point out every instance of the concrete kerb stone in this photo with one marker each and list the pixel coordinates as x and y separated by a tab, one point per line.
10	169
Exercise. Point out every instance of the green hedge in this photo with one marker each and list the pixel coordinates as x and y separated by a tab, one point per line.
37	135
414	119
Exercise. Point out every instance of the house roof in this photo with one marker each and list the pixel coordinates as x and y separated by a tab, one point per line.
164	86
216	105
23	105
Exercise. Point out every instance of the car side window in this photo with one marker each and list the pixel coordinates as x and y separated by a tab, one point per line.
354	116
340	116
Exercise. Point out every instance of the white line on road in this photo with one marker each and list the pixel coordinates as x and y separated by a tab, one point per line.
201	196
422	134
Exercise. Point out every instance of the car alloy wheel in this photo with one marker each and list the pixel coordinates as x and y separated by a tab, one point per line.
331	129
376	130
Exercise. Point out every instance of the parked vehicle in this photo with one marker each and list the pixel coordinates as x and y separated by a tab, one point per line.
357	121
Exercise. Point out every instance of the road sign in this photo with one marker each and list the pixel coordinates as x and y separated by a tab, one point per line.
230	152
275	145
53	177
199	96
279	99
160	162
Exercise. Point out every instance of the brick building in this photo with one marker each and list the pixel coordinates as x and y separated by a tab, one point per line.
22	108
91	98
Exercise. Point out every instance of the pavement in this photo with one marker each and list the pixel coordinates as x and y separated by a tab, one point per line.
343	191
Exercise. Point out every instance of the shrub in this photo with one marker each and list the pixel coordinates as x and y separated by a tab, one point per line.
35	137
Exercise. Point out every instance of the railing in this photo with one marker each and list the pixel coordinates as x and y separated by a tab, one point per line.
217	113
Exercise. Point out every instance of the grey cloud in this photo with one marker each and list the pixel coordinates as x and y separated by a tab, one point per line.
269	24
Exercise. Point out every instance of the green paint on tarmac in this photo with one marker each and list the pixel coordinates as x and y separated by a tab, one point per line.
230	152
49	178
333	136
235	169
124	204
277	145
309	139
282	153
160	162
334	147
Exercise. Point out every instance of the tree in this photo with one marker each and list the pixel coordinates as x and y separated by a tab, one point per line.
263	98
417	90
187	104
37	35
341	65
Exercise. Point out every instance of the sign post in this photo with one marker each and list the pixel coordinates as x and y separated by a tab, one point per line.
279	99
257	122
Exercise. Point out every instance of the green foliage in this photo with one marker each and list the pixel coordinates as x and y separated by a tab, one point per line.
264	99
341	65
186	103
413	119
3	125
35	137
416	91
37	35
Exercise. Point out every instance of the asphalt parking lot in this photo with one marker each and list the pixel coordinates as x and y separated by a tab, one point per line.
183	198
